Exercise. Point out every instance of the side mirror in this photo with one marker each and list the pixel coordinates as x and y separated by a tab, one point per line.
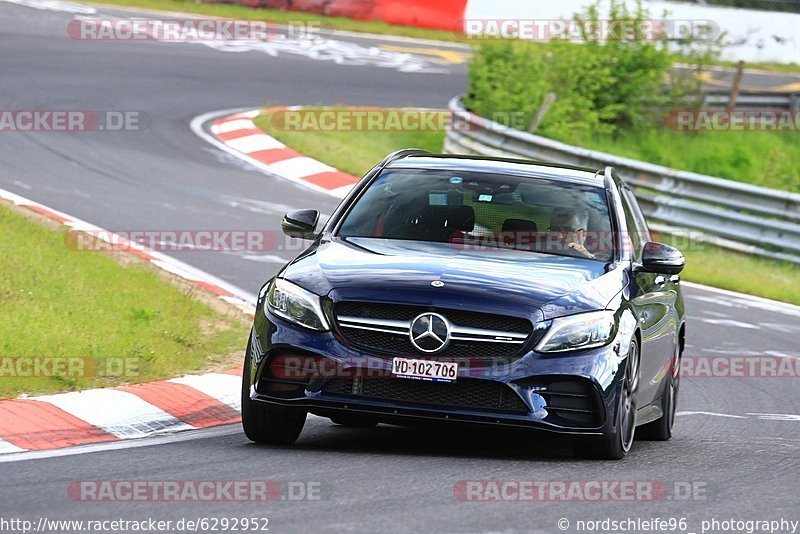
661	259
300	224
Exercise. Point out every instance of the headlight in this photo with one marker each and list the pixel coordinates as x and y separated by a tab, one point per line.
297	305
582	331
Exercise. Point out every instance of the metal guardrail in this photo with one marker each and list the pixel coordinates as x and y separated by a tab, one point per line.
753	101
734	215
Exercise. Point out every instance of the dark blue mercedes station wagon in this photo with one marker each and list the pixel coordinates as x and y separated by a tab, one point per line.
473	291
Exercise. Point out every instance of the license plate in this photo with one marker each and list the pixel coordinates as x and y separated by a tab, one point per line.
425	370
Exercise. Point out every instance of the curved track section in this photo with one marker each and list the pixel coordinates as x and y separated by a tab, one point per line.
737	438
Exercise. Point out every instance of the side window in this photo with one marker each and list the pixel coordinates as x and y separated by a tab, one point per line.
641	222
634	220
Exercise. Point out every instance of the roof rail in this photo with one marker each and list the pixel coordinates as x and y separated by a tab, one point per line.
403	153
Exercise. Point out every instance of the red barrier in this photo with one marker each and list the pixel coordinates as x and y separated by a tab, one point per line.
438	14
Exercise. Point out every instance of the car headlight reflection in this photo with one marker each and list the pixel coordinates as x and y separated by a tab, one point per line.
577	332
295	304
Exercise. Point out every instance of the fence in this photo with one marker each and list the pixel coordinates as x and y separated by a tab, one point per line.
753	101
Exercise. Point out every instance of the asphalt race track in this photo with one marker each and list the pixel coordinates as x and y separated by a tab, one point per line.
737	439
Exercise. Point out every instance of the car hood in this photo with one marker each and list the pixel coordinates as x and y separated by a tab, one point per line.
510	282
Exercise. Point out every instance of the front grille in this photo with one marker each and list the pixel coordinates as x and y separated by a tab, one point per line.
465	393
399	344
486	321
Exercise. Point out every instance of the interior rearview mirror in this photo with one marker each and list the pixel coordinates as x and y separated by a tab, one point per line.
301	224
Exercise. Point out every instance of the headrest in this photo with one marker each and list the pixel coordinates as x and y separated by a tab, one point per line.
451	218
519	225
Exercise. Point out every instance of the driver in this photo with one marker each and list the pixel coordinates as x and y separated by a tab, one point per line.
568	230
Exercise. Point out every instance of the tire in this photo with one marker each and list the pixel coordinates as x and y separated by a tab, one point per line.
661	429
615	447
263	423
355	421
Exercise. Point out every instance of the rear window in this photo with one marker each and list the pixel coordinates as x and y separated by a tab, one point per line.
486	211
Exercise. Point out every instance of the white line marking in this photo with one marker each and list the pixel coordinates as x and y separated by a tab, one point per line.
225	388
780	354
6	448
712	414
253	143
776	416
117	412
298	168
232	126
780	327
728	322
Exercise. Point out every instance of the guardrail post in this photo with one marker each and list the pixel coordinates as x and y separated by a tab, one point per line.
737	82
549	100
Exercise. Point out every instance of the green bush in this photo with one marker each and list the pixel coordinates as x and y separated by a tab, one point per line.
600	87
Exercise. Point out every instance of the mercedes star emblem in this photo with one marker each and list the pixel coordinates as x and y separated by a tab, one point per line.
437	283
430	332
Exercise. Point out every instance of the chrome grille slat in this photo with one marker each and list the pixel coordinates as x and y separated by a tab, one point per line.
483	340
371	321
459	333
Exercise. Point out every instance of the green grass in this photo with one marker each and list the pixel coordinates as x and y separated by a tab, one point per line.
769	159
354	152
357	152
281	16
56	302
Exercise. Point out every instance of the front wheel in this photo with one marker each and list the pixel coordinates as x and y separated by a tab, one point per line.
263	423
615	447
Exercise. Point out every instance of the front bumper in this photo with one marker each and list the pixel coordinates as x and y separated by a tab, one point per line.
572	394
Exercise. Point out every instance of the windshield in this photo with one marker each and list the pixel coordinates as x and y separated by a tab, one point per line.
484	211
